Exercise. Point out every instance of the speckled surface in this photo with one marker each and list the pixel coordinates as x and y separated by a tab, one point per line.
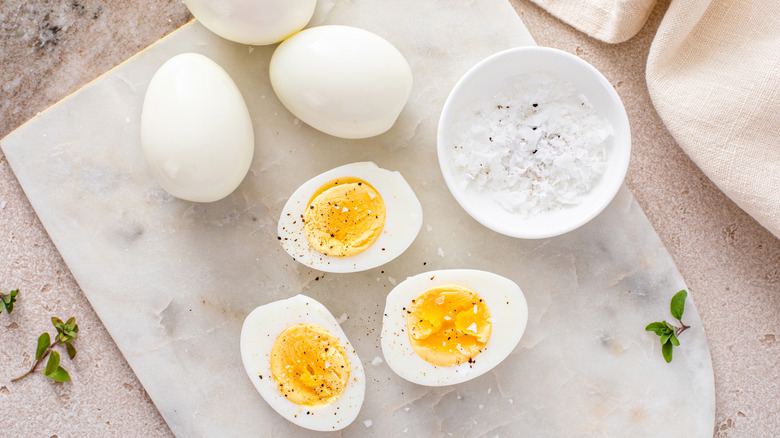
51	48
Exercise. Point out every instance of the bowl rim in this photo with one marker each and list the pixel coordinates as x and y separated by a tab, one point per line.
610	190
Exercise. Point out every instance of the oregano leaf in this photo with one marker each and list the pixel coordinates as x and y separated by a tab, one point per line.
666	349
653	326
59	375
674	340
677	306
43	343
7	301
71	350
52	364
665	338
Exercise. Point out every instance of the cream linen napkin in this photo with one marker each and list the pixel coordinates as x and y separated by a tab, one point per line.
613	21
714	77
713	74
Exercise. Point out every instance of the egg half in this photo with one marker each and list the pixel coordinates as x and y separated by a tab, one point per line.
446	327
341	80
303	365
256	22
351	218
196	133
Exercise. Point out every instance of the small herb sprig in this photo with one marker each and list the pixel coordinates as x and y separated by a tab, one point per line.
7	301
668	332
66	334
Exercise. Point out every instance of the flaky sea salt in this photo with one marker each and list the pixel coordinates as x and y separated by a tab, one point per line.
535	146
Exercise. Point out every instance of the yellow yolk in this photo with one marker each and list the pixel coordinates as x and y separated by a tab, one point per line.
448	325
309	365
344	217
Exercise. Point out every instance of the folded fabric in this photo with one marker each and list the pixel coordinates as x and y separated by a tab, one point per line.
613	21
713	74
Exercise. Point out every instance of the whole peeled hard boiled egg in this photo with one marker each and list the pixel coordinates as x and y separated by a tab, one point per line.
341	80
351	218
302	363
446	327
255	22
196	133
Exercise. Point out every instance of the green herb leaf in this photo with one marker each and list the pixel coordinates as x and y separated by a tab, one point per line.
666	349
654	326
675	341
7	301
52	364
71	350
677	306
55	321
670	327
665	338
59	375
43	343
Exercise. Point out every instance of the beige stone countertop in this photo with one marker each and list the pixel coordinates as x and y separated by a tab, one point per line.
51	48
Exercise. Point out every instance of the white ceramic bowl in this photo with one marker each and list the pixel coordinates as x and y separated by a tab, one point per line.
480	83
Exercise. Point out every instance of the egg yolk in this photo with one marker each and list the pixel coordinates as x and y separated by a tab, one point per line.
309	365
344	217
448	325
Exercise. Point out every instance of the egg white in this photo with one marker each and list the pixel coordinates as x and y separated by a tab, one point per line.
508	312
258	334
196	131
341	80
256	22
402	223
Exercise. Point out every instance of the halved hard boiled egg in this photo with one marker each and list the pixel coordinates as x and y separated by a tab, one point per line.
446	327
351	218
302	363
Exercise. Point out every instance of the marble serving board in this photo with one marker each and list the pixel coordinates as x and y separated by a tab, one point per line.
173	280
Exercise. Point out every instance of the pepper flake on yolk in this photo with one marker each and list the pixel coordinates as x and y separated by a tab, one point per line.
448	325
344	217
309	365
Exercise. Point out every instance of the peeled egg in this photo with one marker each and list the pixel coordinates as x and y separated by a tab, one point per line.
351	218
446	327
341	80
196	133
255	22
302	363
